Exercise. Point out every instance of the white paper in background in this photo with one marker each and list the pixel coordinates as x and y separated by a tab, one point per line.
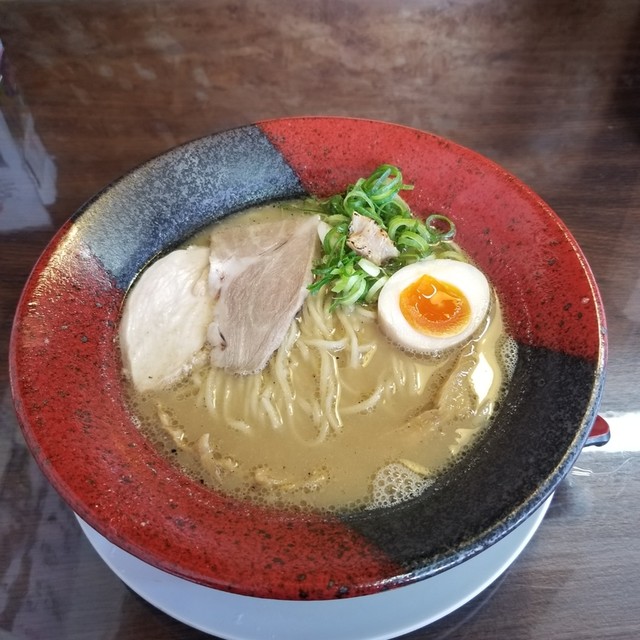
27	171
27	180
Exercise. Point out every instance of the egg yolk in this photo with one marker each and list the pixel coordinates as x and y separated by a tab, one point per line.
434	307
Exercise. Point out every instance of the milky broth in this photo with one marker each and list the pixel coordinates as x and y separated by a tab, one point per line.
244	435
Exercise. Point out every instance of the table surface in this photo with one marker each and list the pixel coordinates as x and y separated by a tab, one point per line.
551	91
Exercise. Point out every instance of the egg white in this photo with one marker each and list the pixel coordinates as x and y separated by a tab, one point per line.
468	279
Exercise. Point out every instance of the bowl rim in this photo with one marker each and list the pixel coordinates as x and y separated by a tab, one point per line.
379	572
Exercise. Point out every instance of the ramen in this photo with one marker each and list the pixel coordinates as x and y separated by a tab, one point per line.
350	395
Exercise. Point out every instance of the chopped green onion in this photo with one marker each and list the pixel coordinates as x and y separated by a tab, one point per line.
337	218
352	294
374	290
369	267
351	277
441	226
400	222
413	240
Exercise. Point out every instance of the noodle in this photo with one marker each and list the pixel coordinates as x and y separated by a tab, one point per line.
353	339
328	345
319	317
301	354
254	394
365	405
337	419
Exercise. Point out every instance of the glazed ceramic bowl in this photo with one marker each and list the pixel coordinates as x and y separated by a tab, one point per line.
68	390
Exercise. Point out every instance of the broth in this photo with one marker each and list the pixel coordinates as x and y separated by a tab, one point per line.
340	419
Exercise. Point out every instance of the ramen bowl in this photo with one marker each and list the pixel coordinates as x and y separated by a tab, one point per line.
69	393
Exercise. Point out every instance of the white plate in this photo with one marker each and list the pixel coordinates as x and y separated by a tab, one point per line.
376	617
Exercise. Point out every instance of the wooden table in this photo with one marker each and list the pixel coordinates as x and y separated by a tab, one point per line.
549	90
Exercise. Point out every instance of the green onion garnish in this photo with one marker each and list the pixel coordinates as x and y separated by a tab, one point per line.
353	278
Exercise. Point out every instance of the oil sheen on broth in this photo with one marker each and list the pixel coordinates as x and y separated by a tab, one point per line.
340	418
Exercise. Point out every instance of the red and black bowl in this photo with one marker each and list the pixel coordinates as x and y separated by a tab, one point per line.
69	396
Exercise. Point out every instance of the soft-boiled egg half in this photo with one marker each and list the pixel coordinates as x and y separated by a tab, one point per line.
433	305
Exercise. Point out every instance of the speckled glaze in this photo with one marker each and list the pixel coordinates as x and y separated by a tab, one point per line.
65	366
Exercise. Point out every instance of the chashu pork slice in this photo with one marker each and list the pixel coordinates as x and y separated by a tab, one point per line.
370	241
258	276
164	324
